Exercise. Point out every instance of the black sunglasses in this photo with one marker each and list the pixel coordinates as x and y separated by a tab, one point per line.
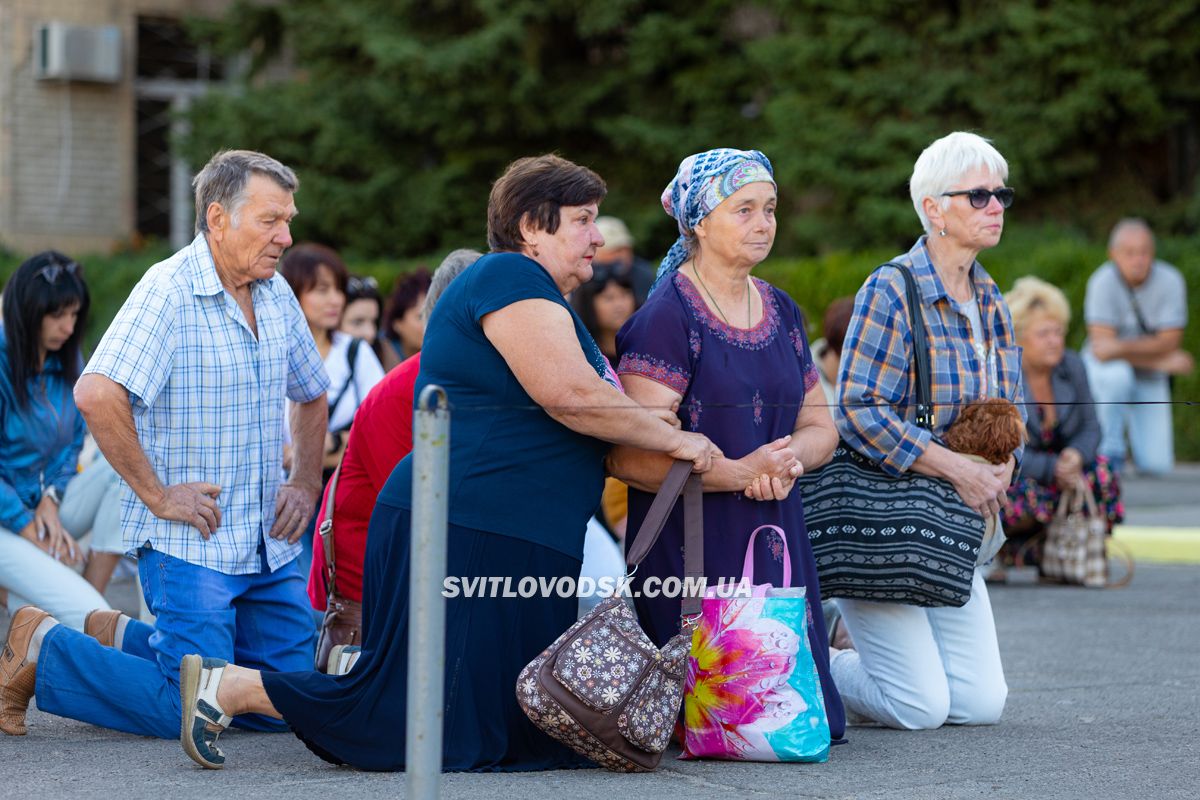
610	270
361	286
51	271
981	197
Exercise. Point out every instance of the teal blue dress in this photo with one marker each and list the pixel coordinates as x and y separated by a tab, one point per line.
522	488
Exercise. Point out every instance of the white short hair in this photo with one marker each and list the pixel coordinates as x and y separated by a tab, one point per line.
943	164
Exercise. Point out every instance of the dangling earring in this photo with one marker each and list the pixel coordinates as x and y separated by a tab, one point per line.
942	232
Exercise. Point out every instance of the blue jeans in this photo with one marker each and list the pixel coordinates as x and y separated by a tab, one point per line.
1115	387
262	621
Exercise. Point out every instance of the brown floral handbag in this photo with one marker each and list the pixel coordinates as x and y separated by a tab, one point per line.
343	618
603	688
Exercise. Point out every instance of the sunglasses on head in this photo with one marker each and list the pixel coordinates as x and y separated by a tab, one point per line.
51	271
981	197
360	286
609	270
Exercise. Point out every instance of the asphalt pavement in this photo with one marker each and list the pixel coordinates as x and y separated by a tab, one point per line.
1104	702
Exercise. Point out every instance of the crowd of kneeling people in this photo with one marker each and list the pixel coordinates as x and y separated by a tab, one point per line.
576	373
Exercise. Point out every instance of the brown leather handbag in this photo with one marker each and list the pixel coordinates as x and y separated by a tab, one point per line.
343	617
603	688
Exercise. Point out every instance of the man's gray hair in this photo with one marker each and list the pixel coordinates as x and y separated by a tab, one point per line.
223	180
451	267
1128	224
943	164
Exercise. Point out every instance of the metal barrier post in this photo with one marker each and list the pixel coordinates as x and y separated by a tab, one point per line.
427	607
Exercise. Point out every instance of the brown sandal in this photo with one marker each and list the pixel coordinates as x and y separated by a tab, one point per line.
18	677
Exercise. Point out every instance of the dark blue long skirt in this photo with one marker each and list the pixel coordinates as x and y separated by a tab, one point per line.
359	719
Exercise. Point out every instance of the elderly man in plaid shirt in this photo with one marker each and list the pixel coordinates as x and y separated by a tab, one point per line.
185	396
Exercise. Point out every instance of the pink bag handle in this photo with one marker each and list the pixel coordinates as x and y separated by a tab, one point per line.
748	564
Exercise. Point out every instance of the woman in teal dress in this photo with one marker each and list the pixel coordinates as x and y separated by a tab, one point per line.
534	407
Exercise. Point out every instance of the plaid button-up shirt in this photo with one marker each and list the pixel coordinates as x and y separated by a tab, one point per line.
207	397
875	408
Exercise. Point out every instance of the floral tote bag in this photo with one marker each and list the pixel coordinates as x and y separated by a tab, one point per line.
752	690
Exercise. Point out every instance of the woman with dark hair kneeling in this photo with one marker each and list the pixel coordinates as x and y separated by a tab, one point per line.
45	502
535	408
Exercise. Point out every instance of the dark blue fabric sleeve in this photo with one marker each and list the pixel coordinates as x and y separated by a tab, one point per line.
794	320
659	343
501	279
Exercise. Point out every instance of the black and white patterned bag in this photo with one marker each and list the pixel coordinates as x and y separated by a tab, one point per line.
909	539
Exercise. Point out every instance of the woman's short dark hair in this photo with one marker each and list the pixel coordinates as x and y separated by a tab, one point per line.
837	322
536	188
408	292
300	265
44	284
583	299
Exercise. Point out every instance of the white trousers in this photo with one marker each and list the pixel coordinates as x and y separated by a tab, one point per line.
90	503
919	668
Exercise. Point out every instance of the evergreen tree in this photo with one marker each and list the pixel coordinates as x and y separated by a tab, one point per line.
399	114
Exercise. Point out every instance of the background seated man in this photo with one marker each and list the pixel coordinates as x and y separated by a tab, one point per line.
1136	310
618	257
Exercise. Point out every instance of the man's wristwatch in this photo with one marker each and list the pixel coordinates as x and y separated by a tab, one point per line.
52	493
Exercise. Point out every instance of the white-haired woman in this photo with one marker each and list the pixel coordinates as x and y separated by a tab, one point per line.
1063	430
918	668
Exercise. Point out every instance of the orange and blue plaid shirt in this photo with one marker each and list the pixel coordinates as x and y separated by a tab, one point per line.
876	412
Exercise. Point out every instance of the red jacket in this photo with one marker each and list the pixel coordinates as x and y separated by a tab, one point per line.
380	436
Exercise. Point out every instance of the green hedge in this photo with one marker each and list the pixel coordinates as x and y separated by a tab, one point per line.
111	277
1060	257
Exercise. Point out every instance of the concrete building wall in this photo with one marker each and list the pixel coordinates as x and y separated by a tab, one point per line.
68	149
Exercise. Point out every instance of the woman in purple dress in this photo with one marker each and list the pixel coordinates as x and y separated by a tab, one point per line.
730	352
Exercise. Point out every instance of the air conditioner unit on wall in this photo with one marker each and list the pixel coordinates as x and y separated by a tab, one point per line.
77	52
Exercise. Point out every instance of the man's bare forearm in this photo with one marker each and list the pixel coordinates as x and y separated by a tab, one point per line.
308	422
1146	348
1141	351
105	406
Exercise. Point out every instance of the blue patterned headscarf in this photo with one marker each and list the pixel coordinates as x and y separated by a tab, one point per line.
703	182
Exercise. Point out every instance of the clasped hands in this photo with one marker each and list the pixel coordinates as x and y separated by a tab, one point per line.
770	472
1068	468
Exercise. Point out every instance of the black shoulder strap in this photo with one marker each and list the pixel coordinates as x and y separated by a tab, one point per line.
916	321
351	359
1137	309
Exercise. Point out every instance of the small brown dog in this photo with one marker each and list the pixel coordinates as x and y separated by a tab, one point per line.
991	429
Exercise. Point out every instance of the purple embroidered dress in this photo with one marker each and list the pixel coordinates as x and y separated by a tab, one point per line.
741	388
